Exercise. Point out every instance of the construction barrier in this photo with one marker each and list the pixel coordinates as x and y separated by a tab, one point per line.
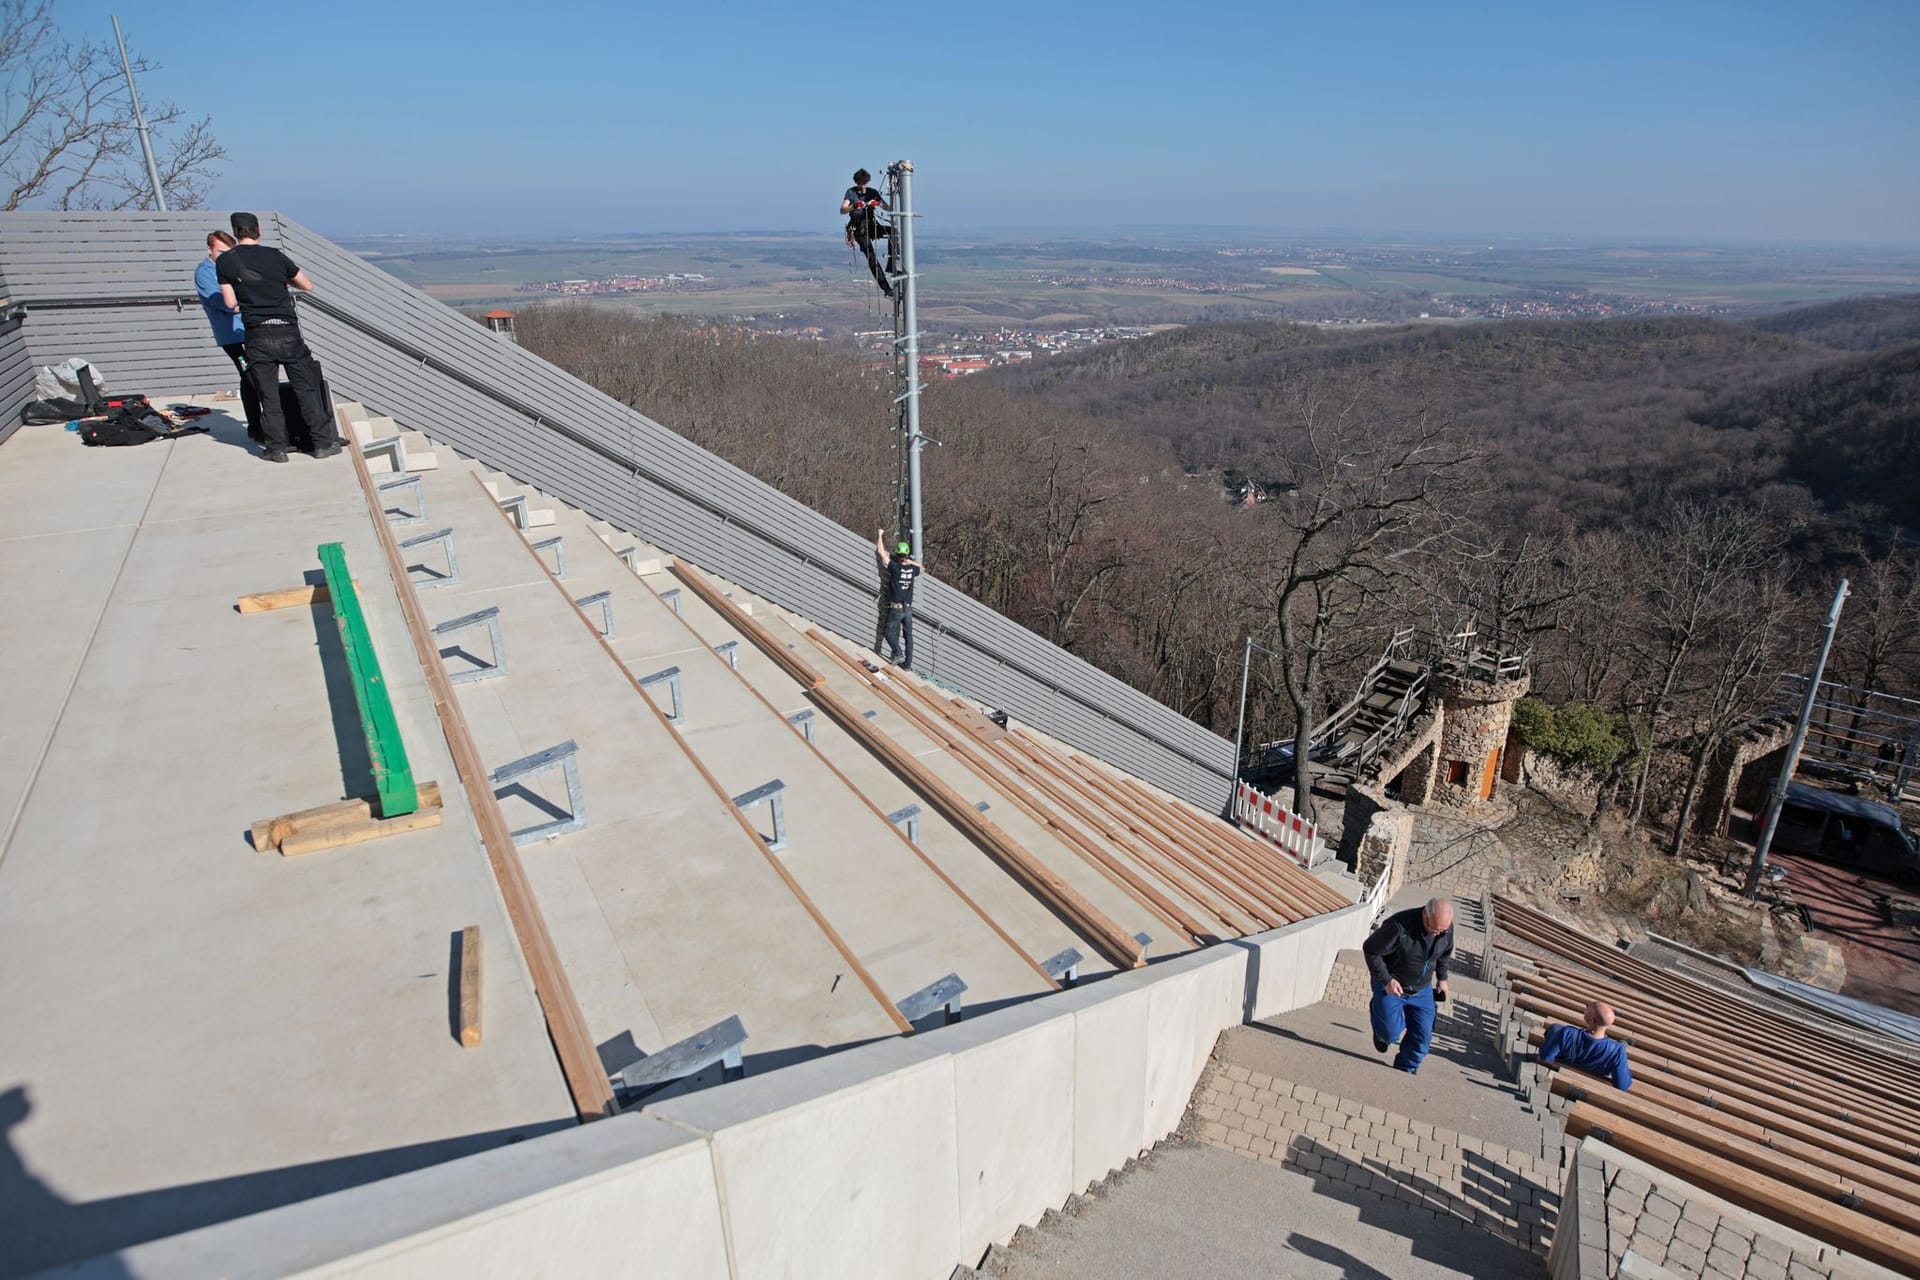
1287	831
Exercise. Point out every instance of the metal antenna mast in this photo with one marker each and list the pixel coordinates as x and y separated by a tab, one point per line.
140	119
906	355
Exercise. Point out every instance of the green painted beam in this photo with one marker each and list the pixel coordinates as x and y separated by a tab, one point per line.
392	775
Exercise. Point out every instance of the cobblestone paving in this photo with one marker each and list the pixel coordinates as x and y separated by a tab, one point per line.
1512	1195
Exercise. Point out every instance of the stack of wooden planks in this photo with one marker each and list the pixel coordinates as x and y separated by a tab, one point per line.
1818	1131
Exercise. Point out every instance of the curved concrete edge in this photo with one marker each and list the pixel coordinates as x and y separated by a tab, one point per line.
907	1154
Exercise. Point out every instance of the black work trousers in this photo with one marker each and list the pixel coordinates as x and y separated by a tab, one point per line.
249	398
269	349
864	232
896	629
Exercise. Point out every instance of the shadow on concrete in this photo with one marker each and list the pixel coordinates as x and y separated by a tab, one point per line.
1489	1191
1351	1268
1285	1033
350	739
42	1229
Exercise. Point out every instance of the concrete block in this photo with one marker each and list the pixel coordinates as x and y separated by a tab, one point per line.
1013	1075
622	1196
431	462
1272	966
850	1156
1109	1074
1190	1001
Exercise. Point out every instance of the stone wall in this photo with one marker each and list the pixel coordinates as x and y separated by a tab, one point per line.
1616	1209
1475	718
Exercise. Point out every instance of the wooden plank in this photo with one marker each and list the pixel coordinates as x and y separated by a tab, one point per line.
1143	892
1802	1210
784	658
1099	929
469	1003
566	1025
268	833
332	837
286	598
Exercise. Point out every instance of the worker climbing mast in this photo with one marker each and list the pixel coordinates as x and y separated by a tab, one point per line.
906	357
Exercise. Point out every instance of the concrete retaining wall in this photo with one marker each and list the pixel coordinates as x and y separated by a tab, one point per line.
900	1158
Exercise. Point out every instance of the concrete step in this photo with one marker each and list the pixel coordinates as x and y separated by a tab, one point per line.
907	926
667	915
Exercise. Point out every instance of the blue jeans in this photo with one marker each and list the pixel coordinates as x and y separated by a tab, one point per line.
1411	1013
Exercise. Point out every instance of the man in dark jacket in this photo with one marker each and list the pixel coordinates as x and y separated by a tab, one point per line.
1409	956
254	280
861	206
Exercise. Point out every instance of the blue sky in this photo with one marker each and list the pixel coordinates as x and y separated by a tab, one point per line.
1693	119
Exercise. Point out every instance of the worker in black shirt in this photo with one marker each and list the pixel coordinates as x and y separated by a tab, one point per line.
254	280
862	205
897	573
1409	956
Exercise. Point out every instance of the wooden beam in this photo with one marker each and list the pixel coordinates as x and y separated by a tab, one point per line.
573	1044
786	659
286	598
1091	923
470	986
899	694
1890	1200
1802	1210
345	816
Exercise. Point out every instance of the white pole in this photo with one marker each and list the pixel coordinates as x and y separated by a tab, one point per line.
140	119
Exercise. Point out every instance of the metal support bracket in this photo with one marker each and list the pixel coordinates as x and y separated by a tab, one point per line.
1146	943
982	805
564	756
671	596
1065	967
803	718
490	619
718	1043
419	498
559	544
392	446
730	650
768	793
516	509
631	556
445	538
670	678
944	994
605	600
911	816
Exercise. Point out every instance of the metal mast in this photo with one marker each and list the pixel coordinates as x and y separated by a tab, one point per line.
140	120
1777	798
906	355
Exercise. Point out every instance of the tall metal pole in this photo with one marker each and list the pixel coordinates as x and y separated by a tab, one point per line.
140	119
910	307
1777	799
1239	728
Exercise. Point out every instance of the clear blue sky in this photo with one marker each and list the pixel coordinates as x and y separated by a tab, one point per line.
1749	119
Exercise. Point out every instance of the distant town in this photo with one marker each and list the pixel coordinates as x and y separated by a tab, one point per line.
620	286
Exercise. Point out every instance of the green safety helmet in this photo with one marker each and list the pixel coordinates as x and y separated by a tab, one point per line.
904	547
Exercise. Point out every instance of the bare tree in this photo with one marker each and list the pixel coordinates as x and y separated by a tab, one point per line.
1704	558
1372	496
1738	678
67	135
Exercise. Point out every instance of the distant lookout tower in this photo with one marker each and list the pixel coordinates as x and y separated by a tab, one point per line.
1478	679
501	324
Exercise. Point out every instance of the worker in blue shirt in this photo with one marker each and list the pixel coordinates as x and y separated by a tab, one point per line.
1589	1049
229	330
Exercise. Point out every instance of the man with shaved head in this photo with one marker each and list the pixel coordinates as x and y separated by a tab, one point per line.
1409	956
1590	1049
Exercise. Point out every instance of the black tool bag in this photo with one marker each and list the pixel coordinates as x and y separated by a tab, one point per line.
133	421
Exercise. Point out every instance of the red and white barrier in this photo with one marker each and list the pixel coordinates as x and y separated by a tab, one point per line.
1287	831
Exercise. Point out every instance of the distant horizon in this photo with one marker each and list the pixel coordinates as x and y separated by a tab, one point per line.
1128	230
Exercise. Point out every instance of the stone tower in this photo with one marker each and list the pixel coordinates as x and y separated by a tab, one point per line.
1478	679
